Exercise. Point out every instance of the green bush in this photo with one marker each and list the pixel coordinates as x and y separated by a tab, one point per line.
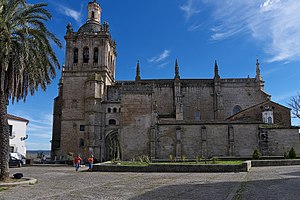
292	153
144	158
256	155
199	159
115	162
147	159
215	160
171	158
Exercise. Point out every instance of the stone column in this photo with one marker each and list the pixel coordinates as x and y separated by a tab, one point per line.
152	143
178	143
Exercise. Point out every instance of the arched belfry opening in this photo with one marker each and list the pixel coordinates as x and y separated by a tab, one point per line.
85	55
113	146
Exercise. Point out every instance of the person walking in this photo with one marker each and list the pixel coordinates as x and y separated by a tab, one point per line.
77	160
43	159
90	162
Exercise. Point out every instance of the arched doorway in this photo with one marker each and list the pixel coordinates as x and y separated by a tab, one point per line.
113	147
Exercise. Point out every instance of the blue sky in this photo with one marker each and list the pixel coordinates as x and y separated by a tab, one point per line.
196	32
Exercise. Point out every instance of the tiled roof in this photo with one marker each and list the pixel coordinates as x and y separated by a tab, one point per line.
12	117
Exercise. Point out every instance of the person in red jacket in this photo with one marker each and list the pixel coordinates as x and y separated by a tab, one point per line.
77	160
90	161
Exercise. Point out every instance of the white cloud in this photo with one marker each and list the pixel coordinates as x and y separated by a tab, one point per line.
273	24
190	9
37	128
194	27
43	119
160	58
162	65
41	135
77	16
269	4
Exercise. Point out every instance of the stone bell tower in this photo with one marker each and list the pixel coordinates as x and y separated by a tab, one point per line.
89	69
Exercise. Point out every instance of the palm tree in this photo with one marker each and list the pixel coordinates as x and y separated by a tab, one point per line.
27	60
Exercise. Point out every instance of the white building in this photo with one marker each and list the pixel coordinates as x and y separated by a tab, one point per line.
17	134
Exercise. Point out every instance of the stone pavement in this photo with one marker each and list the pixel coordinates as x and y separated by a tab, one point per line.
65	183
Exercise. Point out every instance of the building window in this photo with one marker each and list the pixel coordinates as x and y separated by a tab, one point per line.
109	110
93	14
75	55
112	122
197	116
96	52
10	128
203	133
230	134
270	120
236	109
178	133
115	110
267	117
81	142
81	127
85	55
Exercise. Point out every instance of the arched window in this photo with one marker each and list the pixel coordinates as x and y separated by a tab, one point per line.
109	110
270	120
93	14
203	133
75	55
119	109
81	142
230	133
236	109
197	116
112	122
85	55
96	52
115	110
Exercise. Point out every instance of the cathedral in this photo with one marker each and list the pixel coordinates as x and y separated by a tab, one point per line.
160	118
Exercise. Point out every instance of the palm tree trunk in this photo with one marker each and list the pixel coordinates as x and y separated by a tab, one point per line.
4	138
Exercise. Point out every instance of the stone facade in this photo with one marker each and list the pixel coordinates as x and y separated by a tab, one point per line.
95	114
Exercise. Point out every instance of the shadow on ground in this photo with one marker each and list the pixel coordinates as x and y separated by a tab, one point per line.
247	190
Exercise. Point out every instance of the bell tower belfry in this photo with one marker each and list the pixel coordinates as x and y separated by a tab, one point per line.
91	48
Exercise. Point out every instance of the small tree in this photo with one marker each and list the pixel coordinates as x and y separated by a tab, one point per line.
292	153
295	105
286	155
256	155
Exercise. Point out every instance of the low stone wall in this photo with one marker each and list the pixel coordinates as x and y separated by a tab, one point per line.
262	163
244	167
